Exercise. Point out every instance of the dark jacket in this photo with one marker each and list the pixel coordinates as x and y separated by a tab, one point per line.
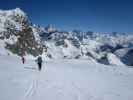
39	60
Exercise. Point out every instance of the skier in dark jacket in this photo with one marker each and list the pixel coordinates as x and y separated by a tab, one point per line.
39	62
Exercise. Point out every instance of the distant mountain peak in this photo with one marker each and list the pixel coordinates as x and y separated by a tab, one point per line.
50	28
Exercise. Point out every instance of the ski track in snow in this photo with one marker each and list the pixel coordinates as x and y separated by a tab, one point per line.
31	89
64	80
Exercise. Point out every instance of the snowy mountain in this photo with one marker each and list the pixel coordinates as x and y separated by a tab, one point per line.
77	69
20	37
16	33
98	46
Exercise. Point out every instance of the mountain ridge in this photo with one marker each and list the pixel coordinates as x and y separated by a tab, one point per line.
19	36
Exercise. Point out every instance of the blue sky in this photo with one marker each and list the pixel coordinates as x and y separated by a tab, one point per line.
95	15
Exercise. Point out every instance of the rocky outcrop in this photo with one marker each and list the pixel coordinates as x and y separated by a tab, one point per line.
18	33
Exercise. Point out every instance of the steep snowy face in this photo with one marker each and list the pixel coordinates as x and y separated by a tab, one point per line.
17	33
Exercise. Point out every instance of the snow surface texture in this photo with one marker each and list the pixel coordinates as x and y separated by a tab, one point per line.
64	80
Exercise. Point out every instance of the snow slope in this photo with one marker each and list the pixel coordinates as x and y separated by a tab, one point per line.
64	80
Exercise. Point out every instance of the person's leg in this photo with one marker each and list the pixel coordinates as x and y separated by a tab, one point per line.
39	66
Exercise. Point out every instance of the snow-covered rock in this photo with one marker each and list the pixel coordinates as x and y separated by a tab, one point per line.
114	60
126	55
17	33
